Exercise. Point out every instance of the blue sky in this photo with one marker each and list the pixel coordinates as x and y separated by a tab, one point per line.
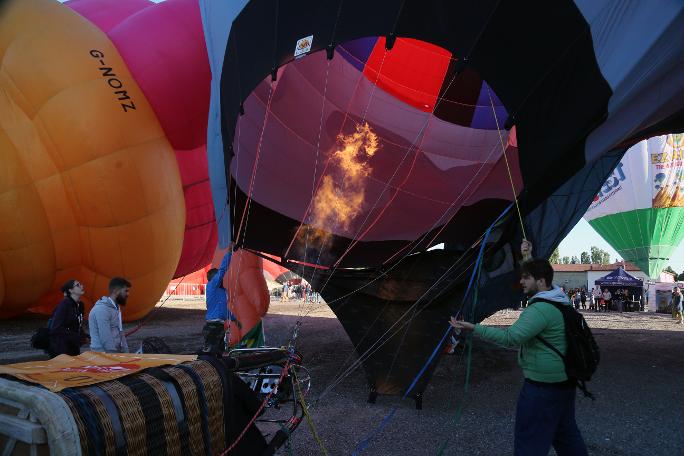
583	236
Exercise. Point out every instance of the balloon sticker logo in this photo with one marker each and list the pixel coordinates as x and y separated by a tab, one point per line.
676	141
669	184
303	46
670	193
108	369
339	199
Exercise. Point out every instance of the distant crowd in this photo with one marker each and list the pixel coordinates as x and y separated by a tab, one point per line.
602	300
300	291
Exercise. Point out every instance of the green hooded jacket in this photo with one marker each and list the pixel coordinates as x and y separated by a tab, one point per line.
537	361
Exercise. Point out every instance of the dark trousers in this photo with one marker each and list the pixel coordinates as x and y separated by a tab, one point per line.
545	416
214	334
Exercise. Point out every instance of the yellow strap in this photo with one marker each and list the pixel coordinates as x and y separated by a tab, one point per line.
508	168
302	402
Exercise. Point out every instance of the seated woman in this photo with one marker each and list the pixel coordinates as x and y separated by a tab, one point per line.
66	325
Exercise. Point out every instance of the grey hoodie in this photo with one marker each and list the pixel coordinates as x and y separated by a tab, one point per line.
106	331
555	294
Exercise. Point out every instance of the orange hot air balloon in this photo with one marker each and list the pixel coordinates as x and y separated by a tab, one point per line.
89	185
248	294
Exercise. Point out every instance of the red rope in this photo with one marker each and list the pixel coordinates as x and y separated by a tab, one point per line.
356	239
254	167
256	415
325	168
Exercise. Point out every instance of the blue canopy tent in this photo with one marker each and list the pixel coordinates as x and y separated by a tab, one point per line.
620	279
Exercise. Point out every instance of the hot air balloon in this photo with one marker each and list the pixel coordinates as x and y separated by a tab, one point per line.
104	114
396	114
248	297
640	208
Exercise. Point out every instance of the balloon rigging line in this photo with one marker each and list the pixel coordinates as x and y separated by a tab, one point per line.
309	420
415	243
476	272
420	137
325	168
313	180
248	202
469	336
307	212
149	315
258	412
245	211
508	168
372	350
231	245
375	347
237	171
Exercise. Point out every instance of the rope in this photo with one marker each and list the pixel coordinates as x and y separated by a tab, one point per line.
476	273
245	211
388	335
149	315
325	168
469	358
508	168
288	442
309	421
258	412
469	336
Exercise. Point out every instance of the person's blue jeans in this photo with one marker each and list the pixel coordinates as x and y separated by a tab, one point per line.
545	416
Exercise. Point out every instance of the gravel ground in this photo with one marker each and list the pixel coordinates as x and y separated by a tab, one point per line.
638	386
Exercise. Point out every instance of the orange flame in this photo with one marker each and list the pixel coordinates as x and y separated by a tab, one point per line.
339	200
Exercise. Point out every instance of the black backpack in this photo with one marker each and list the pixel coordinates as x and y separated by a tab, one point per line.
41	338
582	356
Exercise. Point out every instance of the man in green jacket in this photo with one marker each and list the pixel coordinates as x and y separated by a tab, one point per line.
545	414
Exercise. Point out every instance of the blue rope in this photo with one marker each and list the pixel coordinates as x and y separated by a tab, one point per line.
427	363
363	444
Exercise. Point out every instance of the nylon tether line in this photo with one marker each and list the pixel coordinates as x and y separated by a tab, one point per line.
378	344
309	420
361	358
476	273
508	168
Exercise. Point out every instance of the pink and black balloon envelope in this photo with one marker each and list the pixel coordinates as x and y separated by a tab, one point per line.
427	95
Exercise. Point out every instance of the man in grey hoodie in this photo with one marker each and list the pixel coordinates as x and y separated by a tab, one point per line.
104	320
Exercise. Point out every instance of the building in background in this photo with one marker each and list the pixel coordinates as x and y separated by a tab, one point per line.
657	292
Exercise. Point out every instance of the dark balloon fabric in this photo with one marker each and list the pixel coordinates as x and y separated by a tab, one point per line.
451	110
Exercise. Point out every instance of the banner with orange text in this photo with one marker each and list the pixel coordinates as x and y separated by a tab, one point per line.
66	371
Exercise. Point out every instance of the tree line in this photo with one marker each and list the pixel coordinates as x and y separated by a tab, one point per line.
595	255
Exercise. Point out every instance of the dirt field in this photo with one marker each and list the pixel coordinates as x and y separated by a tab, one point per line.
639	385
